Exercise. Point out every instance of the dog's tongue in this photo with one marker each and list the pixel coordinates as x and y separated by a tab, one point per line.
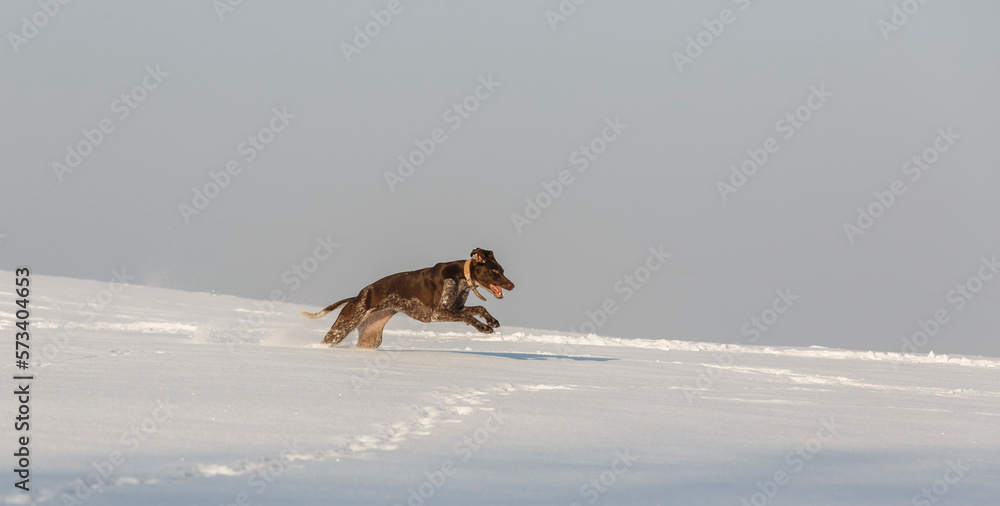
496	291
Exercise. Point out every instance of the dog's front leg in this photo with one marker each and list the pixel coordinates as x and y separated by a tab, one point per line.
451	315
481	312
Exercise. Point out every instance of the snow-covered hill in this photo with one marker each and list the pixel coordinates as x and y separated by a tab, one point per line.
154	396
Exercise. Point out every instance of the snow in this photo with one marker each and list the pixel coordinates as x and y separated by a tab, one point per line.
159	396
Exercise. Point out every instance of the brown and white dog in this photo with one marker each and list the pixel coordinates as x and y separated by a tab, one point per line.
434	294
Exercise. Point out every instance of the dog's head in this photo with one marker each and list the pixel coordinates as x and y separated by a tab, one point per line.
487	272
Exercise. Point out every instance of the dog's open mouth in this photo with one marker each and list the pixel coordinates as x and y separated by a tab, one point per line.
497	292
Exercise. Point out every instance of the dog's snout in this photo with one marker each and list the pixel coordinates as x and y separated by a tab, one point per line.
510	285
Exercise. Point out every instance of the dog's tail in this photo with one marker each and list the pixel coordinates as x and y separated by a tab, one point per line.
327	309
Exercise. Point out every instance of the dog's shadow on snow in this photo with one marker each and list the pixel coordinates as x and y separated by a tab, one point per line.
519	356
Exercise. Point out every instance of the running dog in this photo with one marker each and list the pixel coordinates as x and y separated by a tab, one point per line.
434	294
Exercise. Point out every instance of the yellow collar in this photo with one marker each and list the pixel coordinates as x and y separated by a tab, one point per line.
468	279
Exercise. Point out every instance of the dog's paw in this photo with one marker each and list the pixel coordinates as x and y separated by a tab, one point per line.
493	322
484	329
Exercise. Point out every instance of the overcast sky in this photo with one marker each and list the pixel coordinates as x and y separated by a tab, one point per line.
641	109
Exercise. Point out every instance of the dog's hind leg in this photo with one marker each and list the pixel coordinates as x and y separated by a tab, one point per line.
370	328
348	318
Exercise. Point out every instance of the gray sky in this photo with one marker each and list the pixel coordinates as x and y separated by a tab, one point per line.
211	83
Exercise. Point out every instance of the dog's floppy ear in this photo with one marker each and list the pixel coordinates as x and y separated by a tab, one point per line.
479	255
